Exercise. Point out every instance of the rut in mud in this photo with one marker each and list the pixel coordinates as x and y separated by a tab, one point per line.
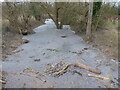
36	64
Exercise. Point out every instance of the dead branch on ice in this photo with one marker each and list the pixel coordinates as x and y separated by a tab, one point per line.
91	75
62	71
94	70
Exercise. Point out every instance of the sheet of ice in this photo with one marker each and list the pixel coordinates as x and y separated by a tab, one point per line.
48	37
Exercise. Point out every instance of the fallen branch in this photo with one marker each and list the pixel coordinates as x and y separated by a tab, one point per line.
90	75
62	71
94	70
95	76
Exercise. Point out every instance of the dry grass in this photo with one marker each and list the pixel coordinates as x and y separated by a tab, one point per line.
10	42
106	41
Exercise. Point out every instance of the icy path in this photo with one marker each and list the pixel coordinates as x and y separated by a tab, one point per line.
48	37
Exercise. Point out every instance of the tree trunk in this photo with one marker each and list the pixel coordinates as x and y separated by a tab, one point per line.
88	31
57	21
58	25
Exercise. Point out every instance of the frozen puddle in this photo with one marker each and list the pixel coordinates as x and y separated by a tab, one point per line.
49	46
